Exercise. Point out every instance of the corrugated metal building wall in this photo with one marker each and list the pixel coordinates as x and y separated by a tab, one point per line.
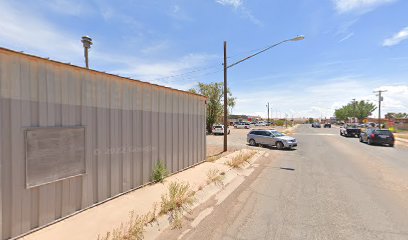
129	126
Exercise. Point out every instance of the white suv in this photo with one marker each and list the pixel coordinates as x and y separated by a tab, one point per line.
243	125
219	129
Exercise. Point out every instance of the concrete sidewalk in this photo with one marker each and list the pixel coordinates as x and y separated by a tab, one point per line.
401	140
99	220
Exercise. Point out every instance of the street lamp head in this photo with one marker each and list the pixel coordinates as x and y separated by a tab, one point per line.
86	41
298	38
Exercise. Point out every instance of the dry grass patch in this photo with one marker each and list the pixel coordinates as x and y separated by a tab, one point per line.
133	230
215	176
214	158
179	199
241	158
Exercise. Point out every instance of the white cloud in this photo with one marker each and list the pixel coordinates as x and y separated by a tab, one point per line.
321	97
183	73
239	6
232	3
346	37
23	30
397	38
362	6
68	7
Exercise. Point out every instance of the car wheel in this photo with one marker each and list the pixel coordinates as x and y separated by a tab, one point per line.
252	142
361	139
391	145
369	142
279	145
229	131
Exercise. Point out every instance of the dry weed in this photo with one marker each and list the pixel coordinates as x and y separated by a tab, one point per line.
215	176
238	160
179	199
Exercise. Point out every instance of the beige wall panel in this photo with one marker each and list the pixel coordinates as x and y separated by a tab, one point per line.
137	136
102	138
114	128
162	127
147	133
129	125
17	150
168	122
126	139
155	127
175	132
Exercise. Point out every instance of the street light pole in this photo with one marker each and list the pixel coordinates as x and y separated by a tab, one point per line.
298	38
225	98
86	42
268	111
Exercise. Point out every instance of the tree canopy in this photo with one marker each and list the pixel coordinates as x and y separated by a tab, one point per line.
396	115
357	109
215	103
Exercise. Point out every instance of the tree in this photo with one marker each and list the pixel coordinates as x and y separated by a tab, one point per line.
215	103
396	115
359	110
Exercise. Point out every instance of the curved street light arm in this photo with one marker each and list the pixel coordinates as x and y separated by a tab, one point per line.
266	49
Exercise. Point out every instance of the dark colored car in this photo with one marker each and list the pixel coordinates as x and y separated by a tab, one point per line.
350	130
327	125
316	125
378	136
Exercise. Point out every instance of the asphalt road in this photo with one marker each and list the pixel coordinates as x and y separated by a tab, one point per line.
330	187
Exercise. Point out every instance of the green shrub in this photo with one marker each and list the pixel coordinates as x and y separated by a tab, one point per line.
280	122
159	172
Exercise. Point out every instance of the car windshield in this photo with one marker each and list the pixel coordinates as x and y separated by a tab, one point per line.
218	127
277	134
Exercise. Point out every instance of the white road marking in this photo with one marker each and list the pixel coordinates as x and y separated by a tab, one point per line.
317	134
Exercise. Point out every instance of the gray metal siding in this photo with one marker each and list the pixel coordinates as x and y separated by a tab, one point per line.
129	125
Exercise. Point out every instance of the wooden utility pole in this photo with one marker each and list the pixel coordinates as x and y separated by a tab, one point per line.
268	111
225	98
354	110
380	99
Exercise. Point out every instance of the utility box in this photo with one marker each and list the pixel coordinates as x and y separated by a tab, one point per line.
71	138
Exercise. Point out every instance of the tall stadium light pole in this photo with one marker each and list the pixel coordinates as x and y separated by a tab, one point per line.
86	42
226	66
380	99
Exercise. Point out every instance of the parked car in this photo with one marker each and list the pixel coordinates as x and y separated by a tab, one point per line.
350	130
219	129
270	138
260	124
242	125
327	125
377	136
316	125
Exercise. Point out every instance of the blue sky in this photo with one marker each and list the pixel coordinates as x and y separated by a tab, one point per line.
351	47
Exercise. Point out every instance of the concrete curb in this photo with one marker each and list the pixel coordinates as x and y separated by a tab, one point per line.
233	178
107	217
401	140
